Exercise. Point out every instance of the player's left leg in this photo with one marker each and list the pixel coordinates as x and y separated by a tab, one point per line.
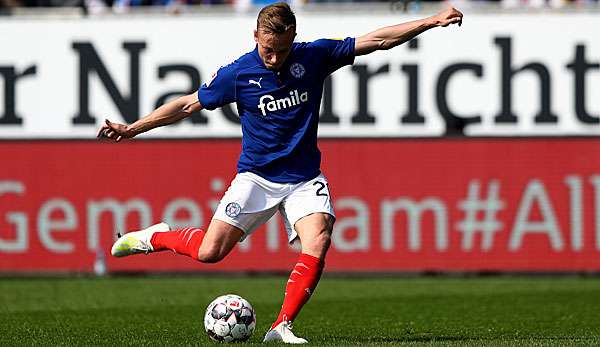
310	211
314	232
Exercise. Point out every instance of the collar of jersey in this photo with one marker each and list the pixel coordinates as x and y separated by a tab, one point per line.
283	67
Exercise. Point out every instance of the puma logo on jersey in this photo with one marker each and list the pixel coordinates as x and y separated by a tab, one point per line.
269	103
256	82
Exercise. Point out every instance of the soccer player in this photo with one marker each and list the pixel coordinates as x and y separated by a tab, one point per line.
277	88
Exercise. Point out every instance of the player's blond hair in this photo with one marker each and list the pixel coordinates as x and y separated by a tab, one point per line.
276	18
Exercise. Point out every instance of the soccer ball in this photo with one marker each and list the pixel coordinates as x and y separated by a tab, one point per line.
229	318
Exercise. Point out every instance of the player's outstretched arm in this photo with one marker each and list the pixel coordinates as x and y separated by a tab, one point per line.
168	113
392	36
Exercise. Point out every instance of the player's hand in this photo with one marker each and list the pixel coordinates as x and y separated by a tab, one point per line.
115	131
449	16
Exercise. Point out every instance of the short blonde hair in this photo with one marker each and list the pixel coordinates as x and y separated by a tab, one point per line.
276	18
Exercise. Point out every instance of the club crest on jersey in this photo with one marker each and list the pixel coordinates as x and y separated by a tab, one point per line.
269	103
297	70
233	209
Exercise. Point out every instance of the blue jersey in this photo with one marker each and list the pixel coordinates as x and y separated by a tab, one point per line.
279	110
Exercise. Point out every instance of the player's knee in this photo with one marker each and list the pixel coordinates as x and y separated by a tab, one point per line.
323	240
210	255
318	245
320	242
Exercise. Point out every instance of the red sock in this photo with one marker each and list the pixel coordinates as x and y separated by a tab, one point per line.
185	241
303	281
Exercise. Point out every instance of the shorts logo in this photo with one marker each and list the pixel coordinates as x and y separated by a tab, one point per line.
297	70
233	209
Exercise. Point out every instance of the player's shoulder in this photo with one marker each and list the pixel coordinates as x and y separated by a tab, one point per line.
245	61
231	67
324	42
322	46
230	71
307	45
248	60
306	48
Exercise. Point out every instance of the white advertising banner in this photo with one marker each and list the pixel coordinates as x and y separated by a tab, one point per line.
497	75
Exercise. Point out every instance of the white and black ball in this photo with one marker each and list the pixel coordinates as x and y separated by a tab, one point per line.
229	318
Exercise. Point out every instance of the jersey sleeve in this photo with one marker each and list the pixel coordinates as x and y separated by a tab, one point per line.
220	89
338	52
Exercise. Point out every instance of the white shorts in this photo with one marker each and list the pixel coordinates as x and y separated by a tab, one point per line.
252	200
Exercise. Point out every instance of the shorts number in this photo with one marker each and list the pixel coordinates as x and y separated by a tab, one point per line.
321	187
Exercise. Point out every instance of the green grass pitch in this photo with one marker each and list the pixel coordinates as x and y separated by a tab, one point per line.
429	311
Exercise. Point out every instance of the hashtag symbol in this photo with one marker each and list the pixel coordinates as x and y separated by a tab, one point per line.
480	215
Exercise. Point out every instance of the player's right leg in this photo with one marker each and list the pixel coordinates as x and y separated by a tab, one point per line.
209	247
219	240
137	242
248	203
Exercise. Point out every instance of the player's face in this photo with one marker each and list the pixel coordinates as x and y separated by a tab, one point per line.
274	48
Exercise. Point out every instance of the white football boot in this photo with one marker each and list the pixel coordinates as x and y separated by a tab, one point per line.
283	333
137	242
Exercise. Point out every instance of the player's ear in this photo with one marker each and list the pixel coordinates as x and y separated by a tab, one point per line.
255	35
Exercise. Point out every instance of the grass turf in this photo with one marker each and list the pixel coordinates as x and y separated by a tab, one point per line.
161	311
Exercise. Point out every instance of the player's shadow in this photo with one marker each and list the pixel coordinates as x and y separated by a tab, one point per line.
397	339
466	339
